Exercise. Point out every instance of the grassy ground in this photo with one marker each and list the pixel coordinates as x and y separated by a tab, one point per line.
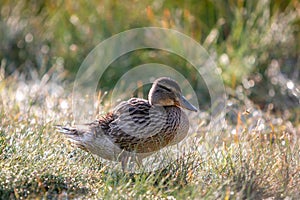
261	160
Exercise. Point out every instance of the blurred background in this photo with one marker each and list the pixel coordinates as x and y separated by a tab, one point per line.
256	44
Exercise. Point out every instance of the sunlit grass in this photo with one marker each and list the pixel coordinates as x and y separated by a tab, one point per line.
254	43
260	160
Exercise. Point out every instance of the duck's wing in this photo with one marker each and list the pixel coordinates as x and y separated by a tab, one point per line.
136	122
138	118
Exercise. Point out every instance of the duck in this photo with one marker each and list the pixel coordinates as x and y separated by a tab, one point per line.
136	128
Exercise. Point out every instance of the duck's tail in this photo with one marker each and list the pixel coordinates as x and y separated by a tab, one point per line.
66	130
74	135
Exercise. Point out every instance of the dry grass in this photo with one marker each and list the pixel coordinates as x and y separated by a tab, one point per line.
258	162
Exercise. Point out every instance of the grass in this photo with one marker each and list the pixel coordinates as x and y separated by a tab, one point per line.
258	154
260	161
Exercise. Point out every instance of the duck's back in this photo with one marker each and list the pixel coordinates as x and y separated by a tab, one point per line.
135	125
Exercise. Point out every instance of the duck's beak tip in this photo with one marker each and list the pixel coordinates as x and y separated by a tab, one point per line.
194	109
187	105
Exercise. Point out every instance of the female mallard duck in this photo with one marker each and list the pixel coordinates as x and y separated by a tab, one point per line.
137	127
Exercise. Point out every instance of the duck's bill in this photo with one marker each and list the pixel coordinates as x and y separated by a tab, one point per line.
187	105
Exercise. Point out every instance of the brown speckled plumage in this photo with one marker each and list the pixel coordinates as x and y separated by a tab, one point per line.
137	126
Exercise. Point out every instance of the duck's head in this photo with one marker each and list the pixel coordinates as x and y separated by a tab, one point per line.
166	92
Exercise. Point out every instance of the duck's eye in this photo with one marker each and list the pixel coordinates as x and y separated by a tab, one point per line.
165	88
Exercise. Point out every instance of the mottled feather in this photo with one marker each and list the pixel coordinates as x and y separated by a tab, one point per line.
136	127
